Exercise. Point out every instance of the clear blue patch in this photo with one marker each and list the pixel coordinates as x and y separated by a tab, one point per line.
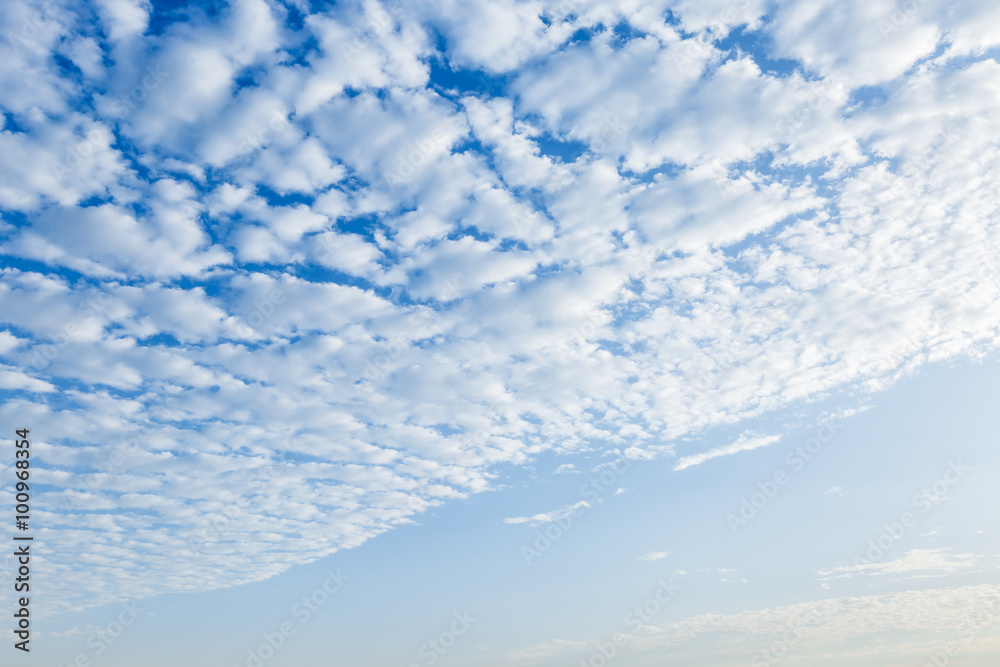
159	340
624	32
319	6
95	201
584	35
300	53
168	12
761	163
469	144
14	217
245	79
671	19
868	96
452	83
292	199
757	45
35	266
213	286
668	170
67	68
10	123
365	226
473	232
447	429
565	150
294	17
508	244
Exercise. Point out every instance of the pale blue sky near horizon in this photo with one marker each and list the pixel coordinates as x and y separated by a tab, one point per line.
403	588
518	311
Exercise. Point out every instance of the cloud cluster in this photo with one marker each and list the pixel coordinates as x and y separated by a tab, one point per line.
303	277
920	621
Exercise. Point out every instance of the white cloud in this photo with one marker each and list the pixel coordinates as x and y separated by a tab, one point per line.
861	41
549	517
399	287
109	241
927	562
653	555
923	619
743	444
125	18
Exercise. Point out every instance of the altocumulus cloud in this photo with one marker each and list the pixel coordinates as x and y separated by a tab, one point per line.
579	238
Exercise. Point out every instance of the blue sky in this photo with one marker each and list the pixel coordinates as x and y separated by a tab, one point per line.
504	333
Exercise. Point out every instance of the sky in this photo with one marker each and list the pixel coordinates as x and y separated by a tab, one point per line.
503	333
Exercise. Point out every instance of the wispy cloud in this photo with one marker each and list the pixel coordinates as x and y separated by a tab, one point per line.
743	444
916	615
548	517
927	562
653	555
